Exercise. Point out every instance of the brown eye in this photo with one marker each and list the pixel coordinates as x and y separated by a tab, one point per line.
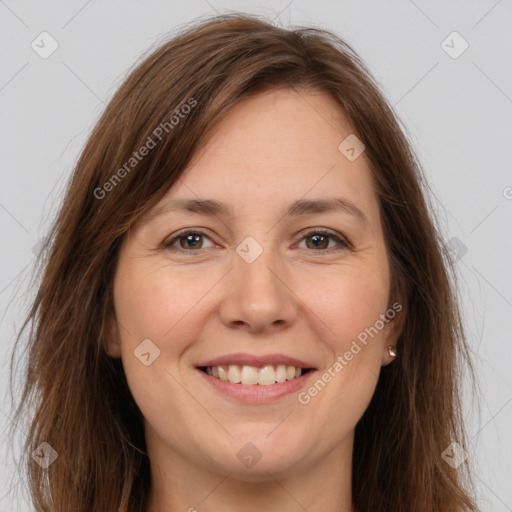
188	241
320	239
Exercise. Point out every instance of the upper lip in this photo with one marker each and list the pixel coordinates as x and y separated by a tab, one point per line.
257	361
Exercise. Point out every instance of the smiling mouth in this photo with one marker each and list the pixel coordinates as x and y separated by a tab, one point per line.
251	375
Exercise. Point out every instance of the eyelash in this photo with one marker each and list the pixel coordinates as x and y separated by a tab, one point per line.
345	244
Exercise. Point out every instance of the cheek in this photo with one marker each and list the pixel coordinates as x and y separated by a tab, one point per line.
153	301
350	304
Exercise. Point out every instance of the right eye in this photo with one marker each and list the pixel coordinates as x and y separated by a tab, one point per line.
188	239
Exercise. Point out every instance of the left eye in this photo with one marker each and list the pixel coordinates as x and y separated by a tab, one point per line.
193	240
320	239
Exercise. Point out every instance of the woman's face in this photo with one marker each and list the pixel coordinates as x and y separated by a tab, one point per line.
259	291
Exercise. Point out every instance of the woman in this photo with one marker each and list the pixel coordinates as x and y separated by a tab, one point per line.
301	352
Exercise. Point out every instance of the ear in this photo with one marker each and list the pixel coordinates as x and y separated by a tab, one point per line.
111	337
392	331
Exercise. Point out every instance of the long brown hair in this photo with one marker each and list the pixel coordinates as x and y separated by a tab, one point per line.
78	397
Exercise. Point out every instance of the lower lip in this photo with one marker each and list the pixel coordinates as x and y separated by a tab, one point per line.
257	394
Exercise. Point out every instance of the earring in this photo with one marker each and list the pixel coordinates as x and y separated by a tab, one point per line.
392	351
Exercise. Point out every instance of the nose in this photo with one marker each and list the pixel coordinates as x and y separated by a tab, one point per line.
258	298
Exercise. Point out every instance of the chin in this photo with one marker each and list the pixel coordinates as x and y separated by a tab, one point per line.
258	452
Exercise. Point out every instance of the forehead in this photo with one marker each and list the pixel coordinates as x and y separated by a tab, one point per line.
276	147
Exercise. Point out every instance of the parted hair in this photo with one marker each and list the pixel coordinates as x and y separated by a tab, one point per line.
75	397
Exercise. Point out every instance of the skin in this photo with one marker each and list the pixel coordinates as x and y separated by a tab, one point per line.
294	299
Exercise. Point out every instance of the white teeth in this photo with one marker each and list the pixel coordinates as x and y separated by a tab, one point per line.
266	376
250	375
234	374
281	373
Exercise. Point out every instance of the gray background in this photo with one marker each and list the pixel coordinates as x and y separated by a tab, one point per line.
456	111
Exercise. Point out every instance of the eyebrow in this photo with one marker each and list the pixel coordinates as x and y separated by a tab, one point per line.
210	207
